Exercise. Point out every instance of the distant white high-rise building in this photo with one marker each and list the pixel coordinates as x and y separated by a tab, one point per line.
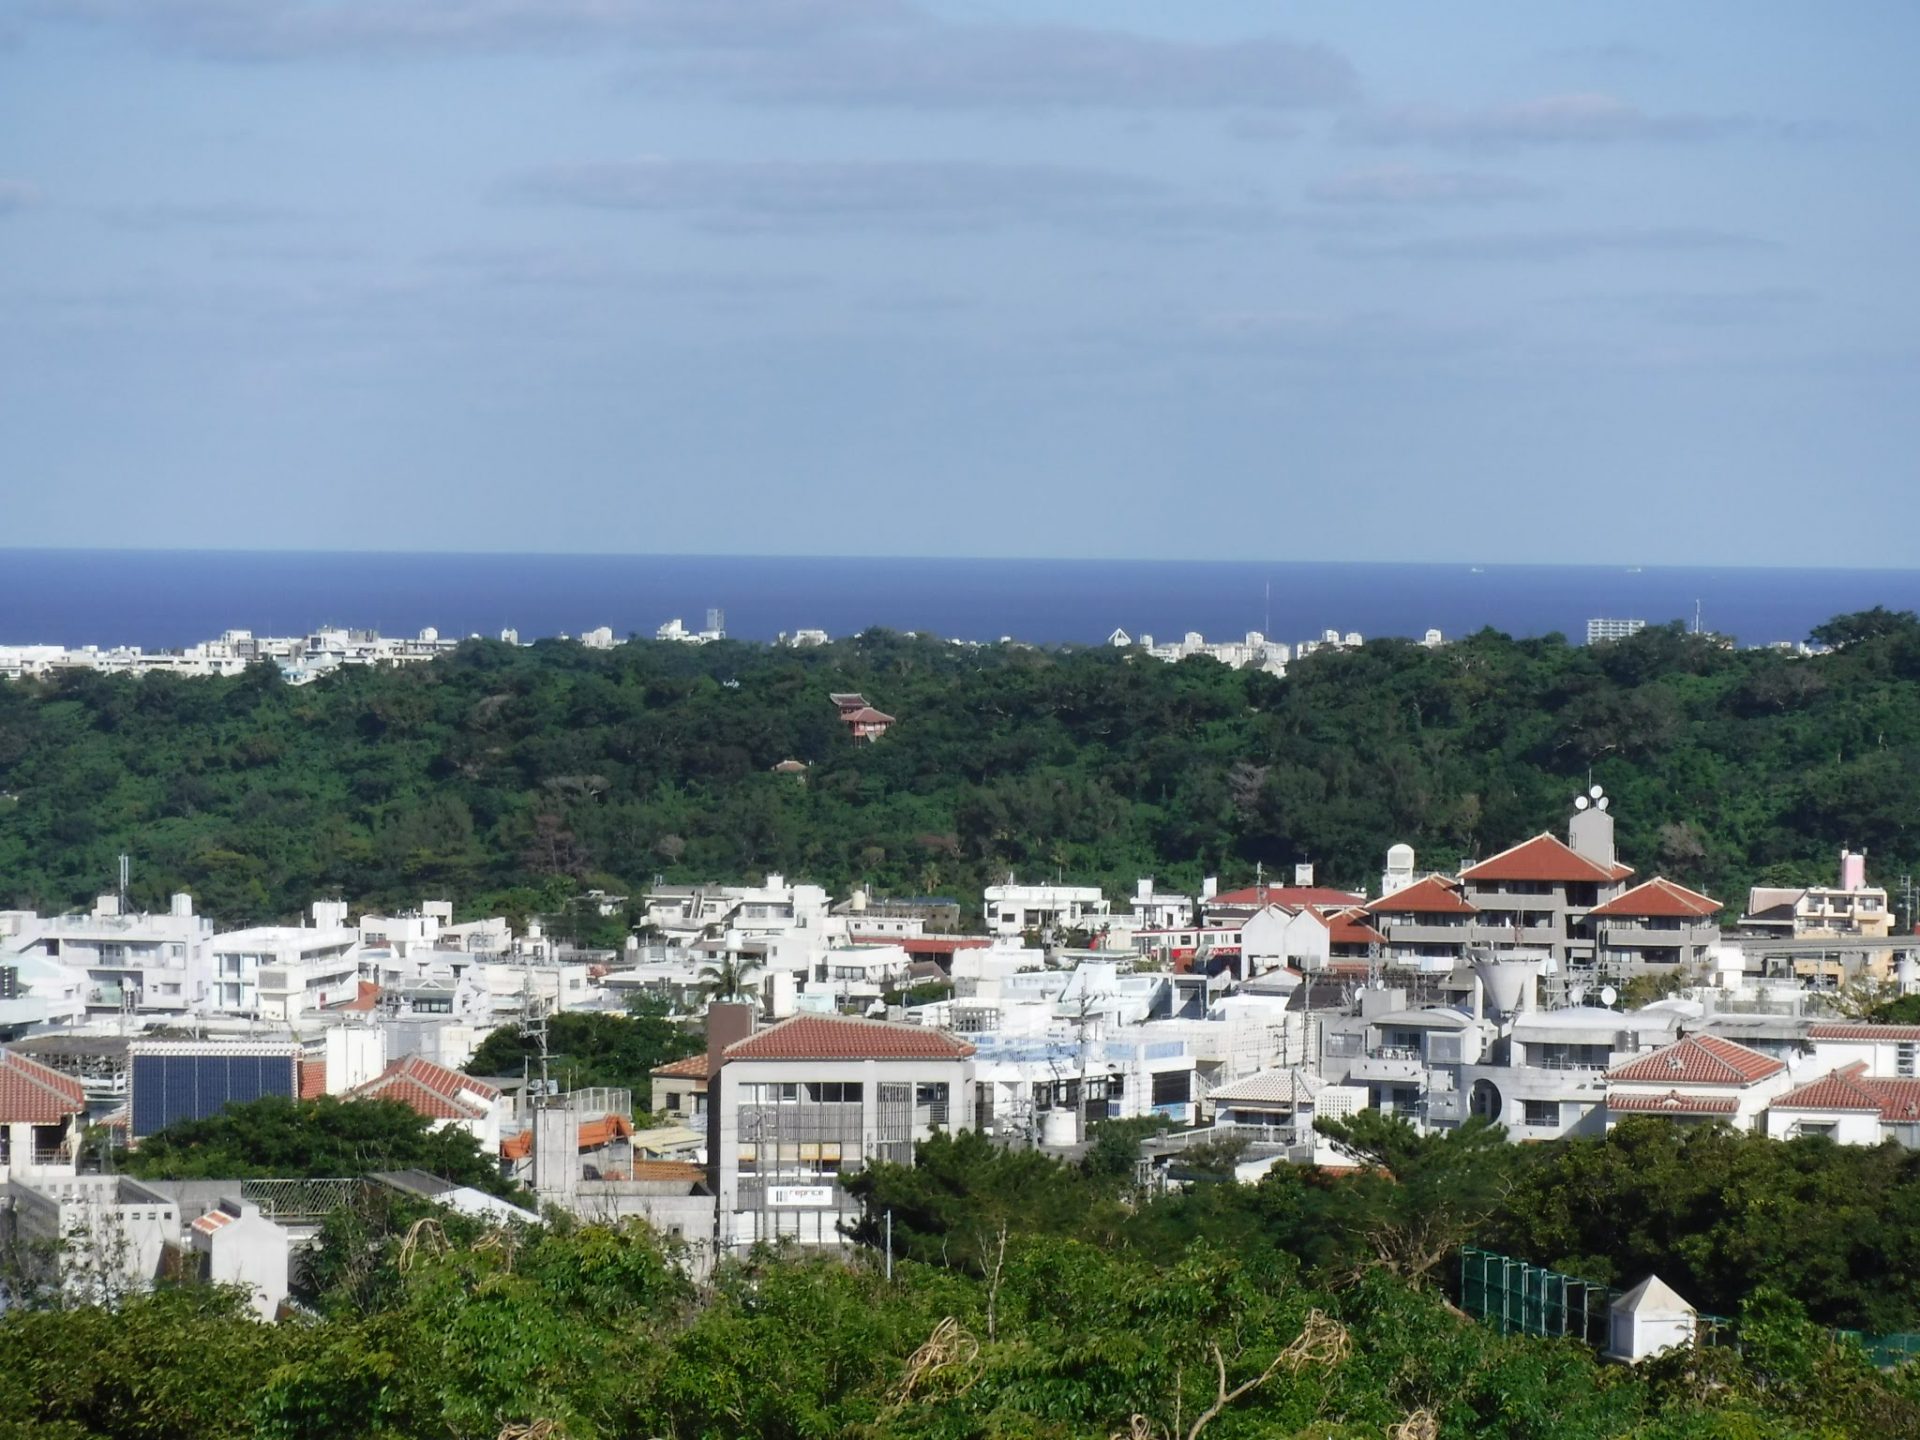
1602	629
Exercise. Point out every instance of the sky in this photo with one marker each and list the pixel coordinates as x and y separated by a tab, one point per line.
1482	282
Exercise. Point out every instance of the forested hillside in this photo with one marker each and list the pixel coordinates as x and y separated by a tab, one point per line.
510	776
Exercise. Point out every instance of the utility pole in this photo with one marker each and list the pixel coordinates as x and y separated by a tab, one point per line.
889	1247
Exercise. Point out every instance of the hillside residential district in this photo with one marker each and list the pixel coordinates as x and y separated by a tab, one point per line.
855	1027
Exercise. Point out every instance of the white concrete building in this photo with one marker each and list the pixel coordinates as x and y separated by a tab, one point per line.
281	972
1157	910
139	963
1699	1077
793	1108
1014	909
236	1245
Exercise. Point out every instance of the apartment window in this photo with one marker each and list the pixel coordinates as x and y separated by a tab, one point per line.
1172	1087
1825	1129
1906	1060
1540	1112
834	1092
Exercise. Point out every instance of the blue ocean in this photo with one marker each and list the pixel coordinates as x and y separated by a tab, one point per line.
161	599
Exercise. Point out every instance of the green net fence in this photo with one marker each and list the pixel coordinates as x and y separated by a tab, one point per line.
1525	1299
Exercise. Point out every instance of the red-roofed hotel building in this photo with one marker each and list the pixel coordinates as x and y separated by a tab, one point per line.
1571	901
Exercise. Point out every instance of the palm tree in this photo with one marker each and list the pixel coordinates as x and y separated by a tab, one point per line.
728	977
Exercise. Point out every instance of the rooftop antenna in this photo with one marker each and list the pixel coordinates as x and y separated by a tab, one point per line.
533	1025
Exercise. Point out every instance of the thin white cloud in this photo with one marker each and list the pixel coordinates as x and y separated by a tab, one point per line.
936	195
1550	245
1578	119
288	30
829	52
931	65
195	215
1396	185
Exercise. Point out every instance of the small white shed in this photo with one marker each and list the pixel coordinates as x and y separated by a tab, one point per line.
1648	1319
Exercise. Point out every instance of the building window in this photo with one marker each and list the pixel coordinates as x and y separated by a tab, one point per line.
1906	1060
834	1092
1540	1112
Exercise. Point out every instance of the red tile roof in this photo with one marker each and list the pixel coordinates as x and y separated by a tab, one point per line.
1662	899
416	1097
833	1037
1544	858
1899	1099
1674	1103
367	998
1839	1090
1434	895
211	1221
1851	1088
666	1170
1291	896
35	1094
866	715
1350	927
1861	1030
429	1089
1699	1060
313	1079
694	1067
925	944
595	1133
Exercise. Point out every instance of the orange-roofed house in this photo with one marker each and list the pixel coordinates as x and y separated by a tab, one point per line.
1850	1106
1427	925
1698	1078
863	722
680	1090
796	1106
41	1113
444	1096
1656	926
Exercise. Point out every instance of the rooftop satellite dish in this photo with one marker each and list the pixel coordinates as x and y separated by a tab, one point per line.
1603	802
1608	995
1578	994
1579	802
1596	792
1793	1061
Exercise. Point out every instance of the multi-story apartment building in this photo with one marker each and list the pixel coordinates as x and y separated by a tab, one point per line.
281	972
1654	926
806	1100
1012	909
141	963
1852	909
1541	891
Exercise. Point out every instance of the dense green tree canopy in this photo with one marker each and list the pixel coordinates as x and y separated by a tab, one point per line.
438	1329
512	778
290	1139
591	1048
